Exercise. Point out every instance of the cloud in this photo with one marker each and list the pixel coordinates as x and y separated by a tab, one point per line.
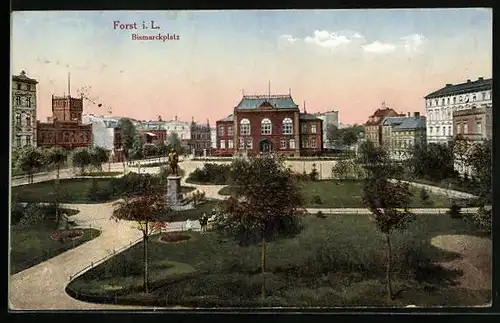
324	38
289	38
414	42
379	47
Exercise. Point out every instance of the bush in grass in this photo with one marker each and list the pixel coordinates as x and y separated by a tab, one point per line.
424	196
16	210
212	173
316	200
314	175
454	211
33	215
320	215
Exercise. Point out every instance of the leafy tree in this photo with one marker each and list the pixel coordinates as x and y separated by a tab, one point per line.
57	156
81	158
347	169
332	133
432	161
349	138
128	133
136	151
98	156
150	150
143	209
389	203
266	204
30	160
371	155
173	141
479	160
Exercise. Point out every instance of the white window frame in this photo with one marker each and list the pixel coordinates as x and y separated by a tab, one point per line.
291	143
245	128
283	143
266	127
230	144
222	144
287	126
313	128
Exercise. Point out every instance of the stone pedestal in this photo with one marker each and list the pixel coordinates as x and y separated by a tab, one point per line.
173	190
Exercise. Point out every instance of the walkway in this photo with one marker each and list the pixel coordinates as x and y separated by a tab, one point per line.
42	287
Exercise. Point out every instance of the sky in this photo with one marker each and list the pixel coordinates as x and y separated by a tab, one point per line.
345	60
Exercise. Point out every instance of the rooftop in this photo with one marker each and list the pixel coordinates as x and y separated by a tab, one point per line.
411	123
23	78
480	84
277	101
308	116
228	118
390	121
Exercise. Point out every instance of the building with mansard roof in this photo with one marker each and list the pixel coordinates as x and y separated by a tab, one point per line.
269	123
24	105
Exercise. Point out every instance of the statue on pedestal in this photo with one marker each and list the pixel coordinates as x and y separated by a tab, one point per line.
173	160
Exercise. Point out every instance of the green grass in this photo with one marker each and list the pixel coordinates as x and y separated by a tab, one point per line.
194	214
337	261
348	194
71	190
103	173
75	190
32	245
444	184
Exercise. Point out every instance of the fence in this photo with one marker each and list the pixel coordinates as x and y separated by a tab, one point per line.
103	259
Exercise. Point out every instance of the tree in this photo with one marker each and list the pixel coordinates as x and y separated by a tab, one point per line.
128	133
389	203
266	204
347	169
349	138
81	158
432	161
29	160
479	160
98	156
149	150
143	209
371	155
136	151
174	142
57	156
332	133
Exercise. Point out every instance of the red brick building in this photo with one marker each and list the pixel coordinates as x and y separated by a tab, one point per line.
373	127
269	123
65	129
155	136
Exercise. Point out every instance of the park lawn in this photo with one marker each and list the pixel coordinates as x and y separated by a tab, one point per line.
103	173
75	190
336	261
193	214
32	245
348	194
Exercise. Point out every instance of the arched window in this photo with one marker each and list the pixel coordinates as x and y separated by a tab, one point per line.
28	120
244	127
266	127
287	126
283	143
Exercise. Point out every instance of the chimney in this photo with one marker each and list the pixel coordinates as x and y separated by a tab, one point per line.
480	78
448	84
175	118
416	114
468	80
409	114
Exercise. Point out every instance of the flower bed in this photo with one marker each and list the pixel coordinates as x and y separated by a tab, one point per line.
171	237
67	235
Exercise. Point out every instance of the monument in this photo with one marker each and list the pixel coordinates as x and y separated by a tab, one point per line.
174	194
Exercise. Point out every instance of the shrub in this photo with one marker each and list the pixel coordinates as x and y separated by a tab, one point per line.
314	175
33	215
174	237
316	200
454	211
424	196
16	210
218	174
320	215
